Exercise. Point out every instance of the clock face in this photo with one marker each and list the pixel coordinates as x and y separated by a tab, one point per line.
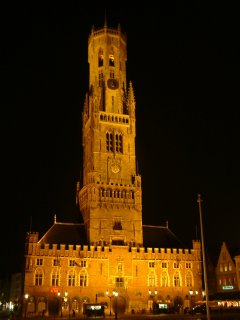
115	167
112	83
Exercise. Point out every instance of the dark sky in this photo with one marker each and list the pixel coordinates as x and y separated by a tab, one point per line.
184	65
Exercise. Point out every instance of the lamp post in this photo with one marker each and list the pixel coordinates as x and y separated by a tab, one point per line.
115	293
199	200
110	298
26	301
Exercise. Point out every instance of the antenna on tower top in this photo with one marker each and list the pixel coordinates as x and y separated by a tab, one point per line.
105	18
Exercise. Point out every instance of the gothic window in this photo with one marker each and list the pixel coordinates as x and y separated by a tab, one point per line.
151	280
83	280
151	264
71	278
189	282
119	144
188	265
38	277
55	278
109	142
100	58
164	279
164	265
176	280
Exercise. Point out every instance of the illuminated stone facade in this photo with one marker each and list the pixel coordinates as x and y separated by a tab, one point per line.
62	274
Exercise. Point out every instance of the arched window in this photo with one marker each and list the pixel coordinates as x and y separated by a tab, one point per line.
119	144
111	60
151	280
176	280
100	58
71	278
109	142
83	279
55	278
189	280
164	279
38	277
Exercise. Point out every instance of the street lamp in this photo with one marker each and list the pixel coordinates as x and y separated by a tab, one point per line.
152	295
26	301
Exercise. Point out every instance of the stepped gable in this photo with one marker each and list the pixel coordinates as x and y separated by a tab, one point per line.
65	233
160	237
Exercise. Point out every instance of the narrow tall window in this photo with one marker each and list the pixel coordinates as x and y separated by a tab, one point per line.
83	280
164	279
38	278
109	142
55	279
100	58
71	278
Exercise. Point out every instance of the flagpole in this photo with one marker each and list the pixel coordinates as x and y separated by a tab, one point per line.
199	200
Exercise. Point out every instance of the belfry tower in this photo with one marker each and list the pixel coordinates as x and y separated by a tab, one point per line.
110	199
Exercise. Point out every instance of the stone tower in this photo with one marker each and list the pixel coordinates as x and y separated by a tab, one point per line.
110	199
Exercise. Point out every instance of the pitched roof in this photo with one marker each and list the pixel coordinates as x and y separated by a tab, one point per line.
65	233
75	234
160	237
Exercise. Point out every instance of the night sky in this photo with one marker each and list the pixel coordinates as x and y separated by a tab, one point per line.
184	65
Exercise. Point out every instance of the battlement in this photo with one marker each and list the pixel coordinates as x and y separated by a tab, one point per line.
86	251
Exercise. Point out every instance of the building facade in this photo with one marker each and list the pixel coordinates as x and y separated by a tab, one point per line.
112	257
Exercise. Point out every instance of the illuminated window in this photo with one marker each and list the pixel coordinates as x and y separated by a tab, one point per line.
38	277
230	267
225	267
